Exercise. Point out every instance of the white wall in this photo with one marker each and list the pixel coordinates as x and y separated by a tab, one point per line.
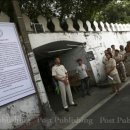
19	112
45	38
96	42
69	58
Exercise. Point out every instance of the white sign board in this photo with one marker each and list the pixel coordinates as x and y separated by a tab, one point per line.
15	79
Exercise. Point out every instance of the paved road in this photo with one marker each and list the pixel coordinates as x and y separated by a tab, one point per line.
115	114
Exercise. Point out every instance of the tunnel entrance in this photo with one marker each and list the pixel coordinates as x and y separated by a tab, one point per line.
68	52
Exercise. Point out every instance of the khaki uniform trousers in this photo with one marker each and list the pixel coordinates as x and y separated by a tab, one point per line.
122	71
65	90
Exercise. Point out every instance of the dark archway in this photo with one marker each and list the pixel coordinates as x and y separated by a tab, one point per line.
57	48
45	58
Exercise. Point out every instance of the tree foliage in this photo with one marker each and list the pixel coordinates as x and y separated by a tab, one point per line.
5	6
79	9
83	9
115	11
100	10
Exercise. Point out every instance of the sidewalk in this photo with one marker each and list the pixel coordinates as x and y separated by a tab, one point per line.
85	104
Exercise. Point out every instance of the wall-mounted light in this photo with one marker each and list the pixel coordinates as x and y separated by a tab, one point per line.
81	45
73	45
60	50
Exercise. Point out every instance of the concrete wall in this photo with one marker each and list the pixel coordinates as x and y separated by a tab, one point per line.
19	112
15	114
69	58
95	41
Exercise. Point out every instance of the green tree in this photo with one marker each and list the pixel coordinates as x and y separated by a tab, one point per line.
116	11
82	9
5	6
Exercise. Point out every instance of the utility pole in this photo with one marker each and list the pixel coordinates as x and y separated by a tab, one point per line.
44	103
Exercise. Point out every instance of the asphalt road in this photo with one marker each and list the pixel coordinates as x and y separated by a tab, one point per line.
115	114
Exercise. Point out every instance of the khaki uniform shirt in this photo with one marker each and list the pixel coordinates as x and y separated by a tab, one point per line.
113	52
110	64
118	58
104	59
123	54
59	71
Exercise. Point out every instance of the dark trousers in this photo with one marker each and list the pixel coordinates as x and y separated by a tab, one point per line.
85	85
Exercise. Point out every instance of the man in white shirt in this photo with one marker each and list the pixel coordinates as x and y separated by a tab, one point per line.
81	71
60	73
